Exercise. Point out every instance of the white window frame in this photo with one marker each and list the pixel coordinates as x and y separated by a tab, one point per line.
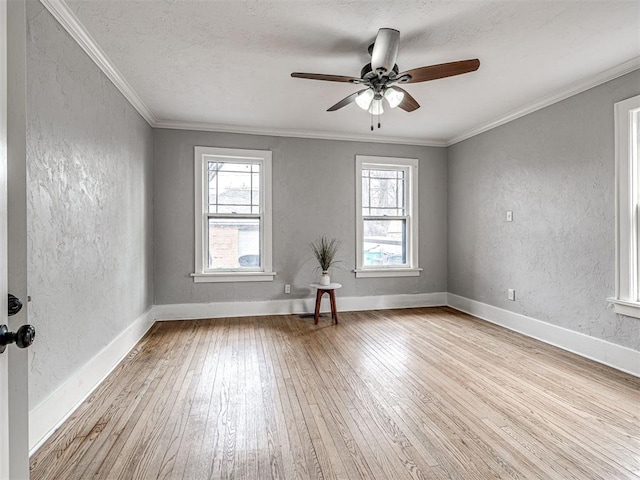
627	295
202	272
410	166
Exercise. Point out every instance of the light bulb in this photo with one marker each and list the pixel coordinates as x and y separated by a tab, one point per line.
393	96
376	107
364	99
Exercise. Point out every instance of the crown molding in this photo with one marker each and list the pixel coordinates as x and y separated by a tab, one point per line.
212	127
575	88
71	23
66	18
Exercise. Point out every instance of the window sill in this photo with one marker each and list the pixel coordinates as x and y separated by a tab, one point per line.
623	307
233	277
388	272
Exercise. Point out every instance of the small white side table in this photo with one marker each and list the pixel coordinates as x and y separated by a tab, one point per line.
331	290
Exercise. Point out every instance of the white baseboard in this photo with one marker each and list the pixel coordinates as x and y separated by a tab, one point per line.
601	351
45	418
189	311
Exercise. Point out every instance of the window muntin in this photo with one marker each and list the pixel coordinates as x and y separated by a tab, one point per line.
234	187
383	191
233	215
386	223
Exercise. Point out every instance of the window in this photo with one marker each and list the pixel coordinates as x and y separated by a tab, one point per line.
386	217
232	215
627	138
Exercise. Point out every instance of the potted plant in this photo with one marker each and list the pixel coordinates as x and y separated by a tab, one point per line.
325	250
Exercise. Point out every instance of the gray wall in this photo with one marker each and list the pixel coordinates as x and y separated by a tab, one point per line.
555	169
99	250
89	203
313	195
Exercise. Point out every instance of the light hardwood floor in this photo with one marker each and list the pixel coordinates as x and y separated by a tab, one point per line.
417	393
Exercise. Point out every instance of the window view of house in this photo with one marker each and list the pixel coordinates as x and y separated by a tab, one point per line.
233	229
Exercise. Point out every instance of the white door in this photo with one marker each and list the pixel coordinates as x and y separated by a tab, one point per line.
14	421
4	362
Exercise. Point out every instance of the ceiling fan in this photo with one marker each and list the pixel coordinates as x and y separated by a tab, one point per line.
381	77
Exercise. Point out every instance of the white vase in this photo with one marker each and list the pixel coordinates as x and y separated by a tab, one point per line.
325	279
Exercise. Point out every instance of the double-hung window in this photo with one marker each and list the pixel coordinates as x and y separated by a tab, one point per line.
627	145
386	217
232	215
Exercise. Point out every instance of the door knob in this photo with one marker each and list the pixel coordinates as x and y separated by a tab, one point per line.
22	338
15	305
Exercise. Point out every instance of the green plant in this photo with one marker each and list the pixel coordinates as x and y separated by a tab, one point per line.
325	250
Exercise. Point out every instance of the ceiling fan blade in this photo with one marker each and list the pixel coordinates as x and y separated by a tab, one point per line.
345	101
385	50
328	78
408	103
433	72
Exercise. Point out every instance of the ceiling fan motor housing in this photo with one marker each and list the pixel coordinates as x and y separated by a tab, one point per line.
385	50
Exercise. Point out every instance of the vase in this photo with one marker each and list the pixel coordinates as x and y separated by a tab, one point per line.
325	279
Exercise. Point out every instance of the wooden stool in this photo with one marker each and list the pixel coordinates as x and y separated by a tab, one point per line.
331	290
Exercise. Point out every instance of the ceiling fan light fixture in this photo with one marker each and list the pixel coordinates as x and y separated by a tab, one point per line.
393	96
376	107
364	99
378	76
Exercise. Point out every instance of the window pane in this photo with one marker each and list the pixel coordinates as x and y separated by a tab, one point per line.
255	191
234	209
385	242
234	243
378	212
233	186
384	173
365	193
212	172
383	192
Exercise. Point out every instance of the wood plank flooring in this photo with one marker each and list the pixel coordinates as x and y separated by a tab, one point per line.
398	394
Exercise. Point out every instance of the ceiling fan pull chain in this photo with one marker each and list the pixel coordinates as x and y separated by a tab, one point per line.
371	115
378	120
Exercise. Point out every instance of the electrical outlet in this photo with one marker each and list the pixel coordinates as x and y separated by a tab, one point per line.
287	289
509	216
511	294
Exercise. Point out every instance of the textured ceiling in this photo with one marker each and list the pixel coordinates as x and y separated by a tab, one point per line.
228	63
